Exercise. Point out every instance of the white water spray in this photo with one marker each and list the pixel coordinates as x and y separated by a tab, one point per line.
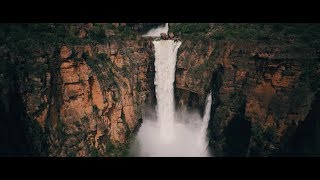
155	32
203	131
171	133
165	64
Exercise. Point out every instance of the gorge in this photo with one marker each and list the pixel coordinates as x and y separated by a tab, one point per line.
171	133
117	89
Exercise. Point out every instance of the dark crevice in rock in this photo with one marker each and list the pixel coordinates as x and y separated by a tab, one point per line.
53	122
238	134
13	141
305	141
91	85
214	124
193	102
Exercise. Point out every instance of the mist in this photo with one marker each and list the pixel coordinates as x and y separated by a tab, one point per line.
188	136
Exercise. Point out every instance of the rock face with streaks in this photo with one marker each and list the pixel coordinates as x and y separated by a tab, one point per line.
80	89
103	92
85	99
261	93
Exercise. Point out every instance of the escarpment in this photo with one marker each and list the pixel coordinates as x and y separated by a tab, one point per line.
261	93
85	99
81	89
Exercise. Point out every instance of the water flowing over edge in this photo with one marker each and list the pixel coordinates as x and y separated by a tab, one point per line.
165	66
155	32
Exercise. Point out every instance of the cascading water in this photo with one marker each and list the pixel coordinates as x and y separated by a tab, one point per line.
171	133
157	31
205	121
165	64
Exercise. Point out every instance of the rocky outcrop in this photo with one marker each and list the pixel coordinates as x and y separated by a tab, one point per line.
193	73
163	36
254	86
171	35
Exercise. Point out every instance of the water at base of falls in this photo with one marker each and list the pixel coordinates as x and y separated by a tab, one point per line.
188	140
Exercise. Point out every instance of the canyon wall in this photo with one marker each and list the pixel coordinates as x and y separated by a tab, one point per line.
85	96
78	100
103	89
261	93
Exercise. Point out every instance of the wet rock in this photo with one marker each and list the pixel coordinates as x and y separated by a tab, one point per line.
171	35
164	36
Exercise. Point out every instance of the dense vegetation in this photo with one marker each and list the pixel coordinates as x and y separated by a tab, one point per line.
27	37
26	41
30	36
302	35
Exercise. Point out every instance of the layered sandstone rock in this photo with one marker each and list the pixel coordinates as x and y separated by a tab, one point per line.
87	99
100	116
259	86
193	74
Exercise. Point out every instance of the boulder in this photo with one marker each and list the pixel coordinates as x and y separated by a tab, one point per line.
171	35
109	33
164	36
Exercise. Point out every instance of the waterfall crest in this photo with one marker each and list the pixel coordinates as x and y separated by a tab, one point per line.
155	32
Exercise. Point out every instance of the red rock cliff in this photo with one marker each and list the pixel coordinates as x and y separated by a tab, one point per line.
259	92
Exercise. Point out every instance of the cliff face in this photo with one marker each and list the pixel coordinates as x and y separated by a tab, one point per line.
101	104
261	93
83	95
80	100
193	73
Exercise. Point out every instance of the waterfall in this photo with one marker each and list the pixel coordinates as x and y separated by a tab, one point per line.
165	64
168	132
206	116
205	121
155	32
